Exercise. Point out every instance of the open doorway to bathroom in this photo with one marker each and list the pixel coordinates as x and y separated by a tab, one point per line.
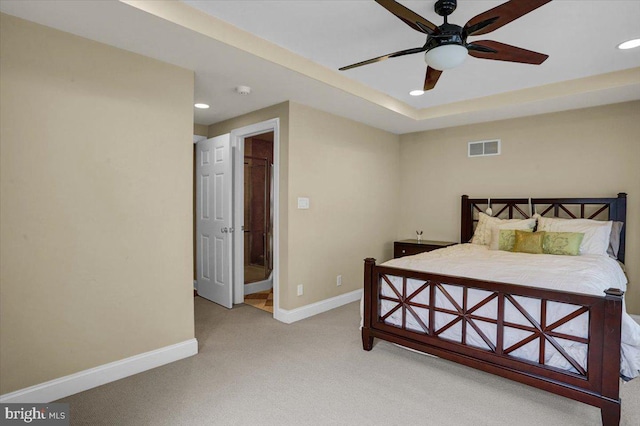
258	220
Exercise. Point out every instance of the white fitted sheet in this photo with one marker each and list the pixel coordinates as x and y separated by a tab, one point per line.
589	274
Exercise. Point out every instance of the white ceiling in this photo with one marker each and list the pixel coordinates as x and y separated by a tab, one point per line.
579	36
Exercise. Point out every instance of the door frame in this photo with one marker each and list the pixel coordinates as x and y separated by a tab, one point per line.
237	145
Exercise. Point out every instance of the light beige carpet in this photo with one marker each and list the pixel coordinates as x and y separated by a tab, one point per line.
253	370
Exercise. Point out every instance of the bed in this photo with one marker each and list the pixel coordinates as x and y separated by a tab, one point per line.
546	332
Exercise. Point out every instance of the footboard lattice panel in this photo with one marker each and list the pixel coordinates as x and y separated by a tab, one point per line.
534	329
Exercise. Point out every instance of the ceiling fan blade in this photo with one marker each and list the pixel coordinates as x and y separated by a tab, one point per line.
382	58
501	15
409	17
431	78
489	49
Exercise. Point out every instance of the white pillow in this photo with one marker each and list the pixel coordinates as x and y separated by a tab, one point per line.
522	224
486	223
596	232
482	234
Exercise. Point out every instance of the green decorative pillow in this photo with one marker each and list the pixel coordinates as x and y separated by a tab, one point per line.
507	238
529	242
563	243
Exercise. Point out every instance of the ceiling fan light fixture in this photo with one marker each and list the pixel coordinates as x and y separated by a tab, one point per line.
446	56
416	92
201	106
629	44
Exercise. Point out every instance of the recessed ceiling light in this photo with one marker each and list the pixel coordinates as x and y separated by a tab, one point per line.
629	44
201	106
416	92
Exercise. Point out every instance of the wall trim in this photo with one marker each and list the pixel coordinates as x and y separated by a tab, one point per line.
237	143
636	318
68	385
258	286
293	315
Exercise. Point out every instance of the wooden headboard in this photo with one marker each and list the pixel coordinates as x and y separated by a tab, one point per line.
573	208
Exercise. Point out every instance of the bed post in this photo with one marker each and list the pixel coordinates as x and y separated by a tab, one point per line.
620	214
610	409
466	225
367	339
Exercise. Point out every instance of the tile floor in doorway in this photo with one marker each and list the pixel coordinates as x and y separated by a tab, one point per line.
261	300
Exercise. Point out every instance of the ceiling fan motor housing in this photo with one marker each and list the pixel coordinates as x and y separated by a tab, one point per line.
445	7
449	34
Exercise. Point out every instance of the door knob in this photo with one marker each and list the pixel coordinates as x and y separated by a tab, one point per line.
224	230
231	230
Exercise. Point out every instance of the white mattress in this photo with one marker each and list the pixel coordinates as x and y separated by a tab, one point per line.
590	274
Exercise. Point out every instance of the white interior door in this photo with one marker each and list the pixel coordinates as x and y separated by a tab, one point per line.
214	226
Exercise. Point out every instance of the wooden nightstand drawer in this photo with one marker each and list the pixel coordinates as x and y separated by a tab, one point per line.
411	247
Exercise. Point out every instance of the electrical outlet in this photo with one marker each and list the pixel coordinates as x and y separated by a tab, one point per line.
339	280
300	290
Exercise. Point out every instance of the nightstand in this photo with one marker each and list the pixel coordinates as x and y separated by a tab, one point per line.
411	247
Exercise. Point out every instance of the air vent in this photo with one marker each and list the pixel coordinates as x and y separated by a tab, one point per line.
484	148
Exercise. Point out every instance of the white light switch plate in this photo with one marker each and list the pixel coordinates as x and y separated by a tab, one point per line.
303	203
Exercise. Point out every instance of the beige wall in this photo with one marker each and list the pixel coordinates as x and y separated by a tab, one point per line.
200	130
95	219
350	172
590	152
280	111
346	169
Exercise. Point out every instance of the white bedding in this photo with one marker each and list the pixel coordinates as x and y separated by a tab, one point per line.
590	274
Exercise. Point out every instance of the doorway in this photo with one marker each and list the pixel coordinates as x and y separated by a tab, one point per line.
257	251
258	221
221	255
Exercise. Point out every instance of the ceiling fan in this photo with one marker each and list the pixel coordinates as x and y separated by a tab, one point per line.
447	47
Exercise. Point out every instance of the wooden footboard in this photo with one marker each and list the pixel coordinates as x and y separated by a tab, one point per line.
415	298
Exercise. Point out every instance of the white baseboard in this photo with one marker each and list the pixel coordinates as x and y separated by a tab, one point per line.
93	377
636	318
293	315
257	286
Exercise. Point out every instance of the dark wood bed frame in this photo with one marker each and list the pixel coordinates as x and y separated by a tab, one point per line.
597	384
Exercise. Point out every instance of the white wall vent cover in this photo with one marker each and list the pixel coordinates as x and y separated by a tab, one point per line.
484	148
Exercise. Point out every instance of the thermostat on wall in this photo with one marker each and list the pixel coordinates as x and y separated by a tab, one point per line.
303	203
